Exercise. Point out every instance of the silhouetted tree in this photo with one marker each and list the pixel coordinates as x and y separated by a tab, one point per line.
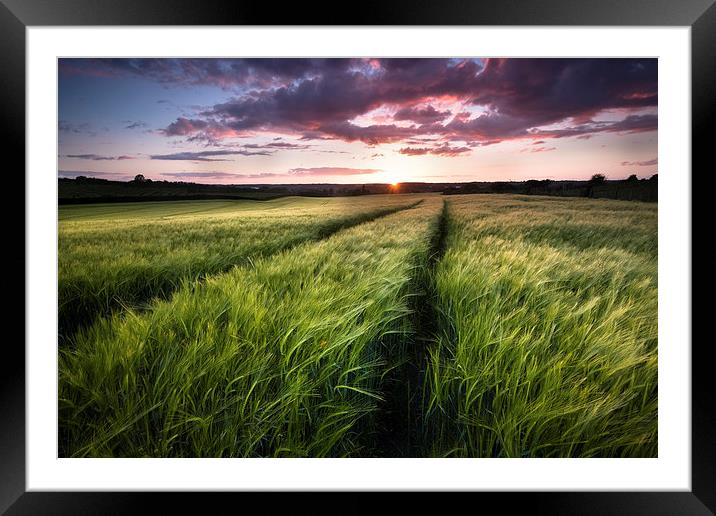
597	179
655	177
139	178
535	186
632	178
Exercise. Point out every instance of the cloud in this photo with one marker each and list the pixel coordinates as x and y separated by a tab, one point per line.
331	171
207	155
277	145
209	132
222	175
325	103
630	124
72	128
183	126
518	96
222	73
211	175
134	125
647	163
97	157
294	172
424	115
324	99
438	150
372	134
543	91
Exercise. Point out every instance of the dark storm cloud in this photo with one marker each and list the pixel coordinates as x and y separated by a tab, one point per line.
542	91
498	99
372	134
424	115
223	73
325	104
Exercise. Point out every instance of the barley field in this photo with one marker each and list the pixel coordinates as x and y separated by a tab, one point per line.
114	256
547	342
369	326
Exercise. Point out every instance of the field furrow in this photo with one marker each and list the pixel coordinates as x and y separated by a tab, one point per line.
547	344
115	256
399	424
285	357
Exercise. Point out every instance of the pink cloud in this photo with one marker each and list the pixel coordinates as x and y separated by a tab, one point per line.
331	171
647	163
438	150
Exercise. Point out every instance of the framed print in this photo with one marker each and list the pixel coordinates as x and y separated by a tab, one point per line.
418	250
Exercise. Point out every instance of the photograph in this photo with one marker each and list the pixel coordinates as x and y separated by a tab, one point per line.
358	257
410	248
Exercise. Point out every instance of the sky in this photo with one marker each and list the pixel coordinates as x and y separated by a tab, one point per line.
357	120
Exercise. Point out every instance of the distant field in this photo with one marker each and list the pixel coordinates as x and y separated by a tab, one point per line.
118	255
397	325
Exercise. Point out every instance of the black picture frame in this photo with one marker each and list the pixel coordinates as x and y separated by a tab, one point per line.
17	15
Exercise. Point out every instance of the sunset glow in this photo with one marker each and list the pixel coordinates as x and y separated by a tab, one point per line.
362	120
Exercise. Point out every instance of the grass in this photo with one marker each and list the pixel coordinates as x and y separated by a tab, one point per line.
463	326
547	343
113	256
282	357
